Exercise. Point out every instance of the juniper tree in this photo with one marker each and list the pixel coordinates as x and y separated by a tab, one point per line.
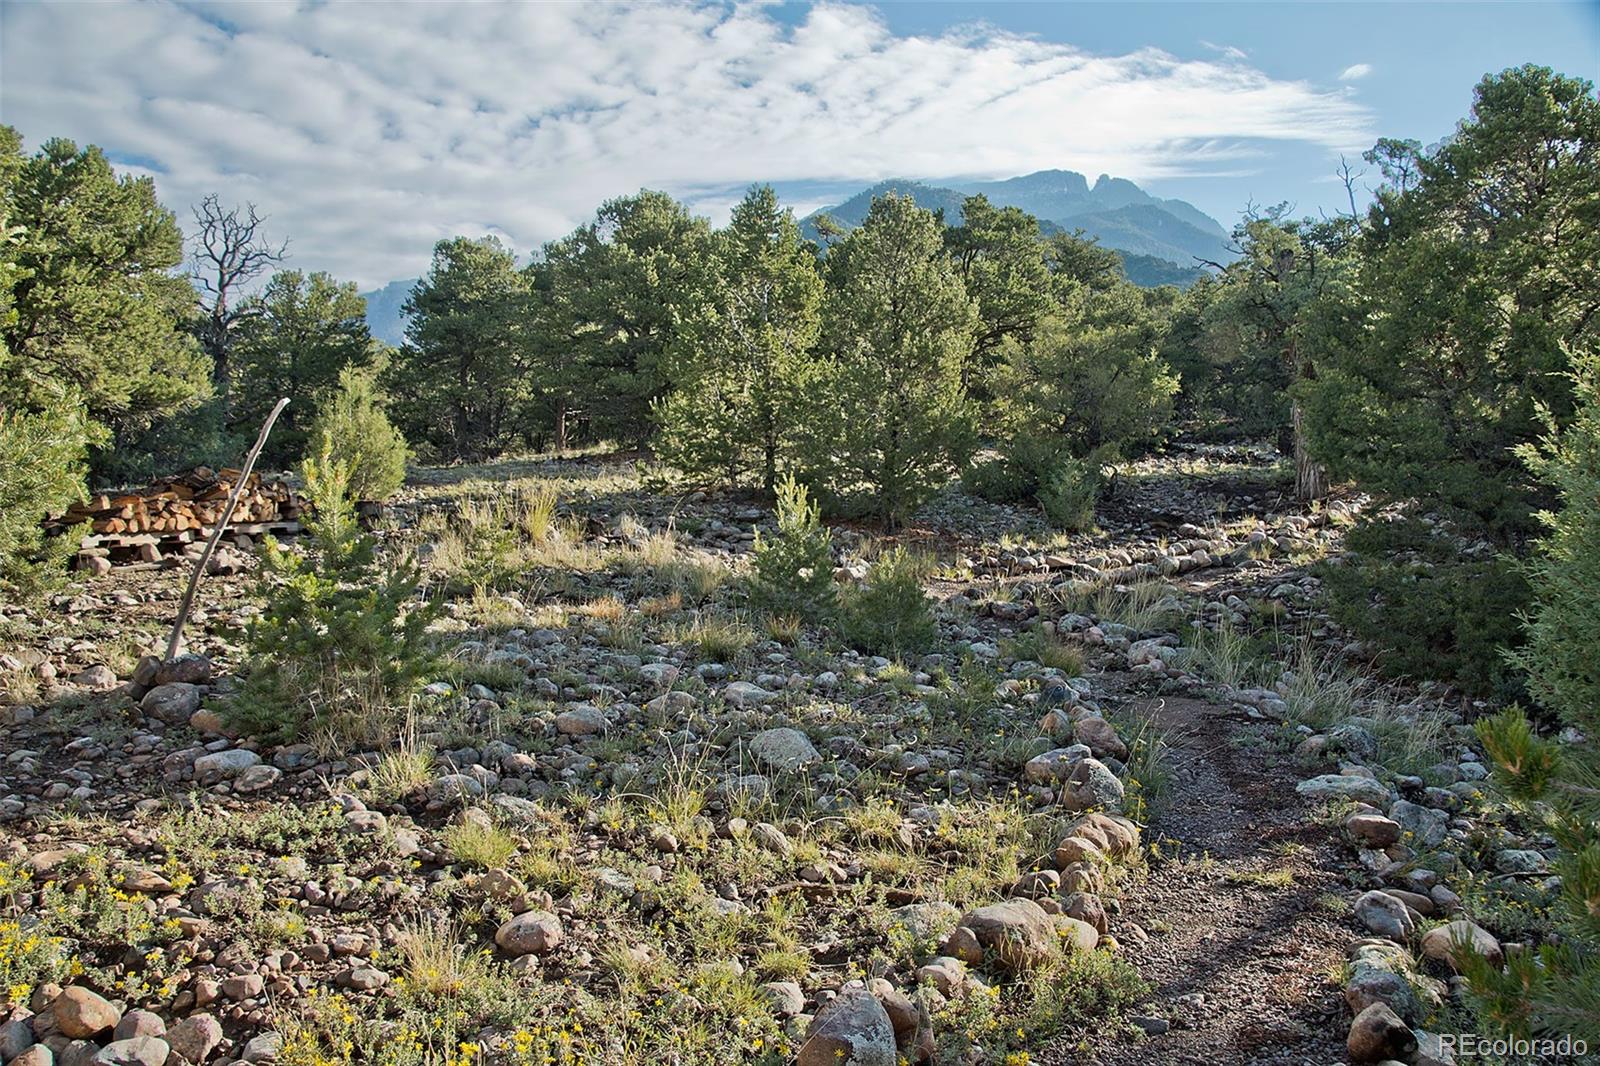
1475	288
998	254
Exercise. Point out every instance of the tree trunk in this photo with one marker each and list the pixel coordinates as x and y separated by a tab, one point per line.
1310	476
561	426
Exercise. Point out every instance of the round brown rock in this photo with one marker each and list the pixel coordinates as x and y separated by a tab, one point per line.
81	1013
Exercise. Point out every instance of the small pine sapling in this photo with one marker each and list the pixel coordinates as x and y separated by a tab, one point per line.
341	642
794	570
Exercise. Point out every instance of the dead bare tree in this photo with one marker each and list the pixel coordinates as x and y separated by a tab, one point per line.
229	252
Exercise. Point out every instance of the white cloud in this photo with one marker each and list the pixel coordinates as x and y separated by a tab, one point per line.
367	132
1355	72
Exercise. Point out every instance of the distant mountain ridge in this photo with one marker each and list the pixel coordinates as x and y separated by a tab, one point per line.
1113	210
384	317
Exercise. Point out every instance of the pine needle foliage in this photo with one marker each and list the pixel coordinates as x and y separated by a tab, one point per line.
889	614
1556	989
340	644
41	470
352	426
793	572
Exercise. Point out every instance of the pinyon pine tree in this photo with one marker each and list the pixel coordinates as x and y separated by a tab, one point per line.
1557	988
893	416
745	354
340	644
351	425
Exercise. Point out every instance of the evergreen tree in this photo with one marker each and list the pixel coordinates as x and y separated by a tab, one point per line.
892	415
459	385
1475	291
1477	279
41	471
792	574
1091	379
998	254
340	644
1556	989
744	357
298	336
613	296
1263	325
351	427
96	306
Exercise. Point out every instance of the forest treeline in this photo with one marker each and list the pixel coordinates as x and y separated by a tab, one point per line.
1410	345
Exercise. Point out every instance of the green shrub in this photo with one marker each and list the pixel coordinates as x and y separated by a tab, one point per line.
352	427
41	470
1067	495
340	643
1435	613
889	614
1025	463
1562	656
793	572
1556	988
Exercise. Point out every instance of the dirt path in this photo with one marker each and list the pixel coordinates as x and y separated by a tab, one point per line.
1241	943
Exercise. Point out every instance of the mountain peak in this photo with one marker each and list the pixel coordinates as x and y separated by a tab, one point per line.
1115	211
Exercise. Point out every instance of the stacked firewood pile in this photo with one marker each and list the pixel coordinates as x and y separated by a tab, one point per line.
173	516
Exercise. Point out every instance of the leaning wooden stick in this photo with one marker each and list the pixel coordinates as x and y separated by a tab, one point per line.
216	534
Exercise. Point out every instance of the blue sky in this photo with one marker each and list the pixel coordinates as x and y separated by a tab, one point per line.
1414	65
366	132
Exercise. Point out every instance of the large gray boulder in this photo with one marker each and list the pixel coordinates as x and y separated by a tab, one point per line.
853	1030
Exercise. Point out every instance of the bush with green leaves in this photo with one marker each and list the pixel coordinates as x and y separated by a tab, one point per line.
1024	463
352	427
341	642
1068	493
1556	989
41	471
1435	612
793	572
889	614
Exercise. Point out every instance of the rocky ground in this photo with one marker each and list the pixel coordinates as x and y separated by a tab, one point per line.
1143	804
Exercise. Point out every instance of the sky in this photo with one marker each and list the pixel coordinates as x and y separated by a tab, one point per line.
365	132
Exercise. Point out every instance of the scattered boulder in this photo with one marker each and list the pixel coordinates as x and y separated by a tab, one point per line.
194	1038
1385	915
784	748
172	703
1344	786
1443	943
1090	785
1372	830
1100	736
530	933
1378	1035
134	1051
853	1030
80	1013
1017	934
581	720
